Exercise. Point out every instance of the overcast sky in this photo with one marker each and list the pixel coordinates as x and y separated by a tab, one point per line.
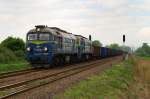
105	20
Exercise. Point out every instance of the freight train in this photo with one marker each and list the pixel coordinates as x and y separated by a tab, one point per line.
52	46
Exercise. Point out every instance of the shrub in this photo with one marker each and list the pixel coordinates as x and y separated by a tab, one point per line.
20	53
6	55
13	44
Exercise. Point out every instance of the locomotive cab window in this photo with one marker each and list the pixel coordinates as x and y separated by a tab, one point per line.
32	37
40	36
44	37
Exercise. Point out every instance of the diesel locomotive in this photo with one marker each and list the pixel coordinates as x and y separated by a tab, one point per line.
52	46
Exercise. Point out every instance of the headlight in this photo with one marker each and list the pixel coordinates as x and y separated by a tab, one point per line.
28	49
45	49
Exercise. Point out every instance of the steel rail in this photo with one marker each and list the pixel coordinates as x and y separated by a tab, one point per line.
15	73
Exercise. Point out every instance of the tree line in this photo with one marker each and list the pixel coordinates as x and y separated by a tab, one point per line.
144	50
113	46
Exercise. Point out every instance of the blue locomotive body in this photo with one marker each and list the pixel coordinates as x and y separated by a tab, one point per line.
40	47
40	53
53	46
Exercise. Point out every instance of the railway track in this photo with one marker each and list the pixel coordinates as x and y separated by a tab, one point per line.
23	86
15	73
21	72
5	77
13	77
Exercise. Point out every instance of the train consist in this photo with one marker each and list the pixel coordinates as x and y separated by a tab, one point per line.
52	46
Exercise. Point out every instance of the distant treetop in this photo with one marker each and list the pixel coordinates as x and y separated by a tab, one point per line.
96	43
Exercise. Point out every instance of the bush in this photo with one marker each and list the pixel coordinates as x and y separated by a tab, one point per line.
13	44
12	49
6	55
20	53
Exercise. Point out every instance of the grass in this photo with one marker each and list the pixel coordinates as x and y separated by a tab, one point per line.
142	69
140	88
13	66
12	60
108	85
143	57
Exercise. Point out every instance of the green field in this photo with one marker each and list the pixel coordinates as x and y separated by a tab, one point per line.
107	85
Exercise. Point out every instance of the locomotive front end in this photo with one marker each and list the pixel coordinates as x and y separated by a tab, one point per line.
39	46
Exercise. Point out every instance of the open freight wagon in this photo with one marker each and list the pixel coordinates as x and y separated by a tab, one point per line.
102	52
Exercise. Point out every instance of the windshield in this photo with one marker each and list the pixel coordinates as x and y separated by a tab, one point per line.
32	37
39	36
44	37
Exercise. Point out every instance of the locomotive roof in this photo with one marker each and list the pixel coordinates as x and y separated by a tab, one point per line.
45	29
57	31
56	28
54	31
81	36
